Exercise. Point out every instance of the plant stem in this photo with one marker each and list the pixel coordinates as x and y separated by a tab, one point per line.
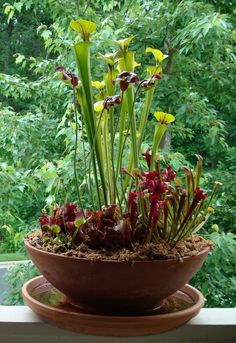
124	142
111	116
159	133
131	103
95	140
89	135
75	152
82	51
113	132
144	116
85	166
107	159
142	126
77	7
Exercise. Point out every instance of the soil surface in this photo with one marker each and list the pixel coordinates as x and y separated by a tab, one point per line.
138	252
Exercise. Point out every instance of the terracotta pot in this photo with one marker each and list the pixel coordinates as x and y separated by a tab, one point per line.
116	287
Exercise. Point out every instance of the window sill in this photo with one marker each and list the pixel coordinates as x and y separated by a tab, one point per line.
20	324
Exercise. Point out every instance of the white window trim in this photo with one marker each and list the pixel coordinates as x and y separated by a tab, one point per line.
18	324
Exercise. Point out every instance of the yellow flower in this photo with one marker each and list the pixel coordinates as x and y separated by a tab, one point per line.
98	106
98	85
210	210
84	27
164	118
159	56
123	44
152	70
109	58
136	64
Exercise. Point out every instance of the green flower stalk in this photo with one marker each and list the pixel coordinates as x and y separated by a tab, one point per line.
82	51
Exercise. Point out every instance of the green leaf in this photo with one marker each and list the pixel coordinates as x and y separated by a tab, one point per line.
18	6
78	222
46	34
50	200
46	239
9	229
55	228
20	58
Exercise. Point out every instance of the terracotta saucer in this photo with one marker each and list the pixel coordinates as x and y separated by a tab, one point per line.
51	305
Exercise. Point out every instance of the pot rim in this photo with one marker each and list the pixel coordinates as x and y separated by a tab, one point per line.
27	244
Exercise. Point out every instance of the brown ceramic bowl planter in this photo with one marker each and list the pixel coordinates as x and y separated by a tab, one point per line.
116	287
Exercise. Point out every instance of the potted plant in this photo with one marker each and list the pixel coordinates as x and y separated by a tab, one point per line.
135	243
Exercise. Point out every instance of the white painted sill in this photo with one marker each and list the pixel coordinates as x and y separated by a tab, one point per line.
18	324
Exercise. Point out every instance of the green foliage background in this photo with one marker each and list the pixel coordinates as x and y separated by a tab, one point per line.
36	113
